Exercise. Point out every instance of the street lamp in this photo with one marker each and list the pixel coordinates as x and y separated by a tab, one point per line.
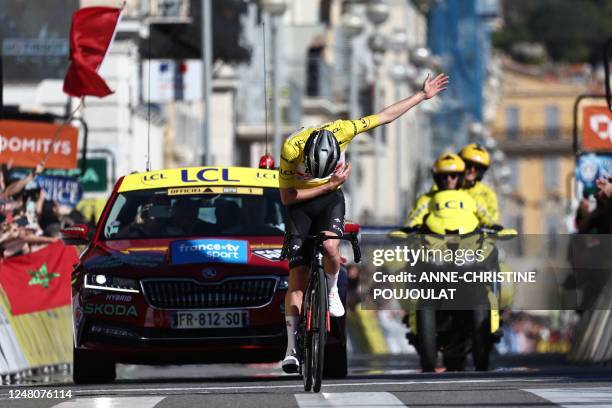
206	36
377	12
476	132
420	57
398	43
352	26
275	9
424	5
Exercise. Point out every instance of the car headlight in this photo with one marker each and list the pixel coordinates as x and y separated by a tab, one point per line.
111	283
283	283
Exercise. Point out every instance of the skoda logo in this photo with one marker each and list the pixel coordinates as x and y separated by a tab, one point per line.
209	273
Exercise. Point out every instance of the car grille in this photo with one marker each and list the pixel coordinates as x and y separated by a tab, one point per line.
187	294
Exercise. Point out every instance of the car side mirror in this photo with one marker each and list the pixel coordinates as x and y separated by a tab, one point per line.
77	234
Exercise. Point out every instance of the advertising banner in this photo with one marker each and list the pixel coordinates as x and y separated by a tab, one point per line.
65	191
26	143
596	129
589	168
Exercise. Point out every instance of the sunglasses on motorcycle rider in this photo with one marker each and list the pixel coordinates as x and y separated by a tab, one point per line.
471	164
452	176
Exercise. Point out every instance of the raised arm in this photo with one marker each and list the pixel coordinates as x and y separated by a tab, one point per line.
431	87
19	185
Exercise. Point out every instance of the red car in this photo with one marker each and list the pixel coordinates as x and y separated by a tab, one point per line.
183	268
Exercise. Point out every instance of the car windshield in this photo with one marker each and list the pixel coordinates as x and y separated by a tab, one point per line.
177	212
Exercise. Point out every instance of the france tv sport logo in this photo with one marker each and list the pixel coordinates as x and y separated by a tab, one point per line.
209	250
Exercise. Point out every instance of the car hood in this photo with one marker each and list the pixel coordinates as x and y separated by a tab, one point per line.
153	257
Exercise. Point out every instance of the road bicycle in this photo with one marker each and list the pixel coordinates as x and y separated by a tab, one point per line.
314	318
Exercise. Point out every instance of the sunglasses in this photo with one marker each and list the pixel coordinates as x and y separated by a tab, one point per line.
470	164
452	176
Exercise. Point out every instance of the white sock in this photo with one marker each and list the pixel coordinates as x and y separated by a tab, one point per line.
292	323
332	281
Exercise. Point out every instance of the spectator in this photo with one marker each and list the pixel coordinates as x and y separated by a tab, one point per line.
49	219
16	186
596	220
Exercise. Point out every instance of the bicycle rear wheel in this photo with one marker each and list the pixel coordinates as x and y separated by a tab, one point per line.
320	317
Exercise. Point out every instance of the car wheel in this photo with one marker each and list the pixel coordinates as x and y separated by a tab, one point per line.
86	369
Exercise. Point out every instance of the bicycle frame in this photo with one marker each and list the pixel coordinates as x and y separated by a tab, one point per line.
314	317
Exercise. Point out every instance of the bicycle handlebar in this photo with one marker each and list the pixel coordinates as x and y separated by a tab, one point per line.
320	238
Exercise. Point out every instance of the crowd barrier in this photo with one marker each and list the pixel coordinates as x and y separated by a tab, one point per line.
33	342
592	341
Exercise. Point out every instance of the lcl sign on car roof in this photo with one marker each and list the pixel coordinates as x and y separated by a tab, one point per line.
200	176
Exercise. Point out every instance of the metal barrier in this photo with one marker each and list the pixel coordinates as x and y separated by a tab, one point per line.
33	343
593	338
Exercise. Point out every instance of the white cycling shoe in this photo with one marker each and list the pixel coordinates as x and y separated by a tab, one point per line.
335	304
290	363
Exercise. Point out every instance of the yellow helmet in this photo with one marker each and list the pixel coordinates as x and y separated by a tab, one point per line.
448	163
476	153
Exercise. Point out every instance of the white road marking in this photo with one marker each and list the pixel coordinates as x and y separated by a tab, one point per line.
349	400
597	397
159	390
111	402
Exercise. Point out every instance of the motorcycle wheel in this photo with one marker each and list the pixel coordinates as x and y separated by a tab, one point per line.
428	349
481	339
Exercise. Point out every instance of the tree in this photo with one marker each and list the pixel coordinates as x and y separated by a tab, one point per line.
570	30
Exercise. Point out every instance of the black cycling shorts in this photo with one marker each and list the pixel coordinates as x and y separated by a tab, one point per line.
324	213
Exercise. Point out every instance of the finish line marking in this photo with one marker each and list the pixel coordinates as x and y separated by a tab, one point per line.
596	397
111	402
325	386
349	400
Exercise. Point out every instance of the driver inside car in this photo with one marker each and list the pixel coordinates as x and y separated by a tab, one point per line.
150	220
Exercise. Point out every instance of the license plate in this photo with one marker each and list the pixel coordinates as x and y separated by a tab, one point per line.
205	320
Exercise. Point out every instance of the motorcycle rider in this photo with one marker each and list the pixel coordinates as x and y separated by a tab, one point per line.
477	161
448	173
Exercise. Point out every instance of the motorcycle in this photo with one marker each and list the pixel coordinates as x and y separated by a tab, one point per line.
471	322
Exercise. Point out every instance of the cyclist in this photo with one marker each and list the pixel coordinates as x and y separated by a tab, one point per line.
477	161
448	173
312	170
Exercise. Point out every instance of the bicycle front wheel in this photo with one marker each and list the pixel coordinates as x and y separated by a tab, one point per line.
320	318
306	346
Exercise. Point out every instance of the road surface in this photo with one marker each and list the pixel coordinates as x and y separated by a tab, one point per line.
379	381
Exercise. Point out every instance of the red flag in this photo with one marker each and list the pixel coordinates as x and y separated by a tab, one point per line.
40	280
91	33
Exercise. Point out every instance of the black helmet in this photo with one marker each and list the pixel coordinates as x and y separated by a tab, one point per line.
321	153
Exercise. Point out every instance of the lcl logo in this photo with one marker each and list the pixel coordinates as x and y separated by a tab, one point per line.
151	178
450	204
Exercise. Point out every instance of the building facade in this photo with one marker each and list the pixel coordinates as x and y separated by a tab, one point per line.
533	126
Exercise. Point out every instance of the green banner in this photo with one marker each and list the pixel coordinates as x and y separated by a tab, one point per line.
95	177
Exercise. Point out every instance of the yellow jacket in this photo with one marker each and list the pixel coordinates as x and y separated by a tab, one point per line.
486	198
478	192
